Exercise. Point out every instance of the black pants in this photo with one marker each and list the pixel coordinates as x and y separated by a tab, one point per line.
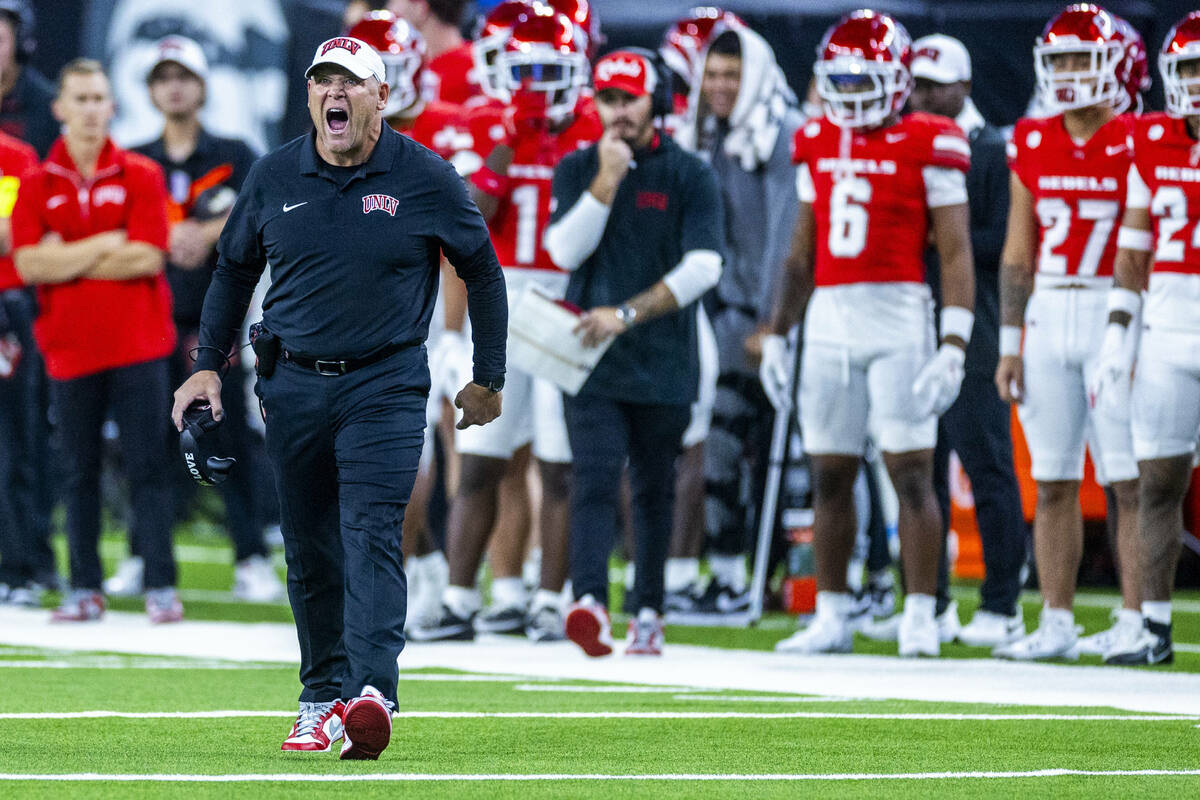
345	451
137	396
234	439
26	494
739	439
603	434
978	428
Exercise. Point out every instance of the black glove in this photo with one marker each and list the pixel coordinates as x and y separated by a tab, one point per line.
196	442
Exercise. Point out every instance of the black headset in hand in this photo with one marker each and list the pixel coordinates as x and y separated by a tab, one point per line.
196	442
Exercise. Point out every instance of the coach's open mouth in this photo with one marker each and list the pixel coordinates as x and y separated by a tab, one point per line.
337	119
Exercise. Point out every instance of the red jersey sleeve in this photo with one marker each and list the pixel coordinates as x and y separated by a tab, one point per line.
28	227
947	144
799	140
147	221
1020	159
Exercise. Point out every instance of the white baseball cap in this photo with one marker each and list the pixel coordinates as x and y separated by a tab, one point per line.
349	53
180	50
941	59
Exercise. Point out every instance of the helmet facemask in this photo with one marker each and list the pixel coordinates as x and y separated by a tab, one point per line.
542	70
401	73
1069	89
861	94
1181	81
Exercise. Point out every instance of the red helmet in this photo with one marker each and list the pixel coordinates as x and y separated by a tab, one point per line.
687	37
402	50
544	55
582	13
1182	44
490	38
862	69
1083	29
1134	72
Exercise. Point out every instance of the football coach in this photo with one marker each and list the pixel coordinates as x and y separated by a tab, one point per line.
352	218
638	224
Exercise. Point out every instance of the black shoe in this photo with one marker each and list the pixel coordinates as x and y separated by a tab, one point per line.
449	628
1152	647
719	598
546	625
510	619
681	602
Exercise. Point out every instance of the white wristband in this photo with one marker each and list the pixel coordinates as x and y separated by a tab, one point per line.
1135	239
1010	340
1124	300
957	321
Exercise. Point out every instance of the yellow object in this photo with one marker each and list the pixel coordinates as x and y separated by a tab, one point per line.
8	195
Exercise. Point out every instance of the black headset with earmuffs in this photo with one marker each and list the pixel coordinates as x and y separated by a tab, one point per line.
661	102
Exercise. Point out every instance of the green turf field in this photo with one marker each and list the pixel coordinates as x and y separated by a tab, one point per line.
480	734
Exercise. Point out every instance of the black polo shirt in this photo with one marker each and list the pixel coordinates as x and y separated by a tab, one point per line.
667	205
354	254
201	187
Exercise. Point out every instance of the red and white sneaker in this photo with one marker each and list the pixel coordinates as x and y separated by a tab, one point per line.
163	605
317	727
645	635
368	726
80	605
588	626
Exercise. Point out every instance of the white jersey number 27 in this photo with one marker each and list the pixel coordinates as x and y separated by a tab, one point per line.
1055	214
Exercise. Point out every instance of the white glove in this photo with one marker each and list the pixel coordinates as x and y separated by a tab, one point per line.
1110	386
938	382
450	364
775	371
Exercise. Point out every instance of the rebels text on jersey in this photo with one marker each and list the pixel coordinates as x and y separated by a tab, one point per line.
524	212
871	192
1167	182
1078	192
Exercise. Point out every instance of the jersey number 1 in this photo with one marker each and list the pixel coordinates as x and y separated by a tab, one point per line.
525	198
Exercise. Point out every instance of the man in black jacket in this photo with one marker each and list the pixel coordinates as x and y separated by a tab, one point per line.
977	426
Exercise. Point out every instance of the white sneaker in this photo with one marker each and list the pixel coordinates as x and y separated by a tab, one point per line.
1050	640
255	581
826	634
989	629
1127	628
127	580
948	626
888	628
921	636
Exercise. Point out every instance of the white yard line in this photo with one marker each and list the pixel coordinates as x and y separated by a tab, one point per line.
978	681
504	777
577	689
757	698
656	715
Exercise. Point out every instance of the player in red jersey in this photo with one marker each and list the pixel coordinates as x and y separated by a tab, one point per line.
873	186
1067	195
1158	240
542	69
450	74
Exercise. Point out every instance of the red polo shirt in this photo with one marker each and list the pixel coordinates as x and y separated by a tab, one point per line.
16	158
86	325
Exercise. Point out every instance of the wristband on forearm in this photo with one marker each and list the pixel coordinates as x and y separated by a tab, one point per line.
1123	301
1010	340
490	182
957	321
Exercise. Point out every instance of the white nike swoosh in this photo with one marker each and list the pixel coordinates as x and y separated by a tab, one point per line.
287	208
892	138
1113	150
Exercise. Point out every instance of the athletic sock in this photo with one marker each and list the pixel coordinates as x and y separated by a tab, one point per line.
508	593
729	571
544	598
1060	617
834	604
681	573
1157	611
461	601
919	606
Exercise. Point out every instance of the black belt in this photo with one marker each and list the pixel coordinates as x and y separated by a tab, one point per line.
340	366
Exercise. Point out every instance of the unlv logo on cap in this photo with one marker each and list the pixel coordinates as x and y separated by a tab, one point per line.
342	42
932	53
380	202
627	65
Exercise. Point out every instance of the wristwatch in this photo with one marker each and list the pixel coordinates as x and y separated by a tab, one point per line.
493	385
627	314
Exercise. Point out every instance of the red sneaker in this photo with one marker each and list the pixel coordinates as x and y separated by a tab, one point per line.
588	626
317	727
80	605
368	726
645	635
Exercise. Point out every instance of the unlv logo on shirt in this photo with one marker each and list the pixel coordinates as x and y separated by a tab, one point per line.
380	202
111	193
342	42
